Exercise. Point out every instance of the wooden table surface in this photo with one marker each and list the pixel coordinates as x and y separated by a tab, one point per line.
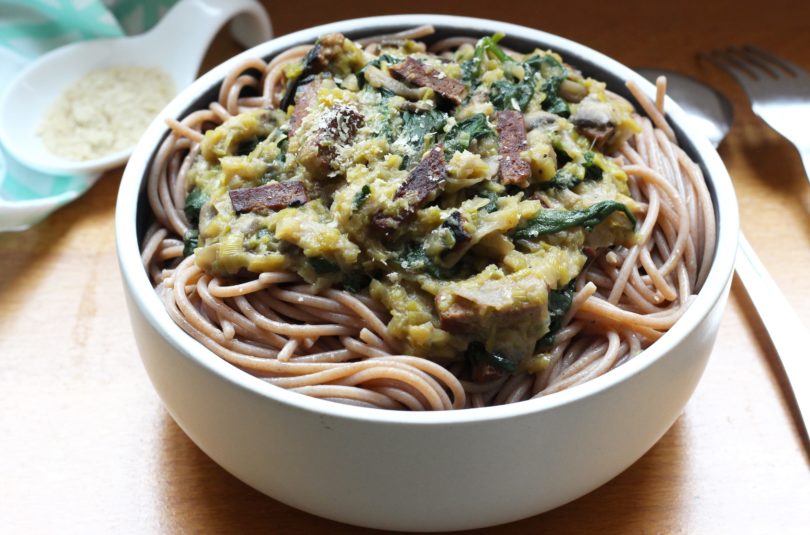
86	446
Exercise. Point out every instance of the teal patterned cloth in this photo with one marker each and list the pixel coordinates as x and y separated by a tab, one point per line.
28	29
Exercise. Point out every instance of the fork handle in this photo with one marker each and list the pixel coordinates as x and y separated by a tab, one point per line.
790	337
804	152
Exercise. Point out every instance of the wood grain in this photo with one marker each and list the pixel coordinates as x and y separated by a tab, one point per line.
87	447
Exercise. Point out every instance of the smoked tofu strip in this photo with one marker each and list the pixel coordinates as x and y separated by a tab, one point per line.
273	196
424	183
304	97
511	142
419	74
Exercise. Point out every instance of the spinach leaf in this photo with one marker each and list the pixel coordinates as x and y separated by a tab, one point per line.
492	205
559	301
361	197
570	174
194	203
388	58
355	281
420	130
532	65
460	137
564	178
415	259
490	44
592	170
477	355
562	156
553	74
551	221
292	86
322	266
455	224
282	149
376	62
246	147
191	240
506	95
471	69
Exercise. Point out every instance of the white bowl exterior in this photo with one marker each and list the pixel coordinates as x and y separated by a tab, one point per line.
438	471
397	476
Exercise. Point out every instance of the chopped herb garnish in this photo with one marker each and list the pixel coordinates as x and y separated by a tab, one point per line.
490	44
551	221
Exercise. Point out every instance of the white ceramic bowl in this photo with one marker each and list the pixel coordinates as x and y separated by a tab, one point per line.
432	471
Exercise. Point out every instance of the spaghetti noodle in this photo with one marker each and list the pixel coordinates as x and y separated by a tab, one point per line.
334	344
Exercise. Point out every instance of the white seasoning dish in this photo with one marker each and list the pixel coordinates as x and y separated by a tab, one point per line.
176	45
447	470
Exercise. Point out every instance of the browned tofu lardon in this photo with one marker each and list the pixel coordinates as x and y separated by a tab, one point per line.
424	183
511	142
417	73
273	196
336	128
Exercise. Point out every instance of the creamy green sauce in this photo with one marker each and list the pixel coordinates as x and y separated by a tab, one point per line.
453	272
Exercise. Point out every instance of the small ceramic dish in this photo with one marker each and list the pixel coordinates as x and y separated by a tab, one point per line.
177	45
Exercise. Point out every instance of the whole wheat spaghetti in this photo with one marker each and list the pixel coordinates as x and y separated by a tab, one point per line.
307	330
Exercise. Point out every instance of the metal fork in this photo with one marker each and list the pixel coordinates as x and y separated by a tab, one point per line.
778	90
780	95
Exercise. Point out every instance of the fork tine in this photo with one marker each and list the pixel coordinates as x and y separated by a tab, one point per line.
754	62
721	59
784	65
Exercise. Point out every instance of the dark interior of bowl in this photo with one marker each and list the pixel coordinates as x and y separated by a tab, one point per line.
588	68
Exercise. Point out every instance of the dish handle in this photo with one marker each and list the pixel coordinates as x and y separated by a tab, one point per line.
190	26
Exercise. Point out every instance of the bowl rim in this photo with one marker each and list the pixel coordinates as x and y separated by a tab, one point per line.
143	296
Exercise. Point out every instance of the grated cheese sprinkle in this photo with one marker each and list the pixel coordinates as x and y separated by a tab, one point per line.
105	111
